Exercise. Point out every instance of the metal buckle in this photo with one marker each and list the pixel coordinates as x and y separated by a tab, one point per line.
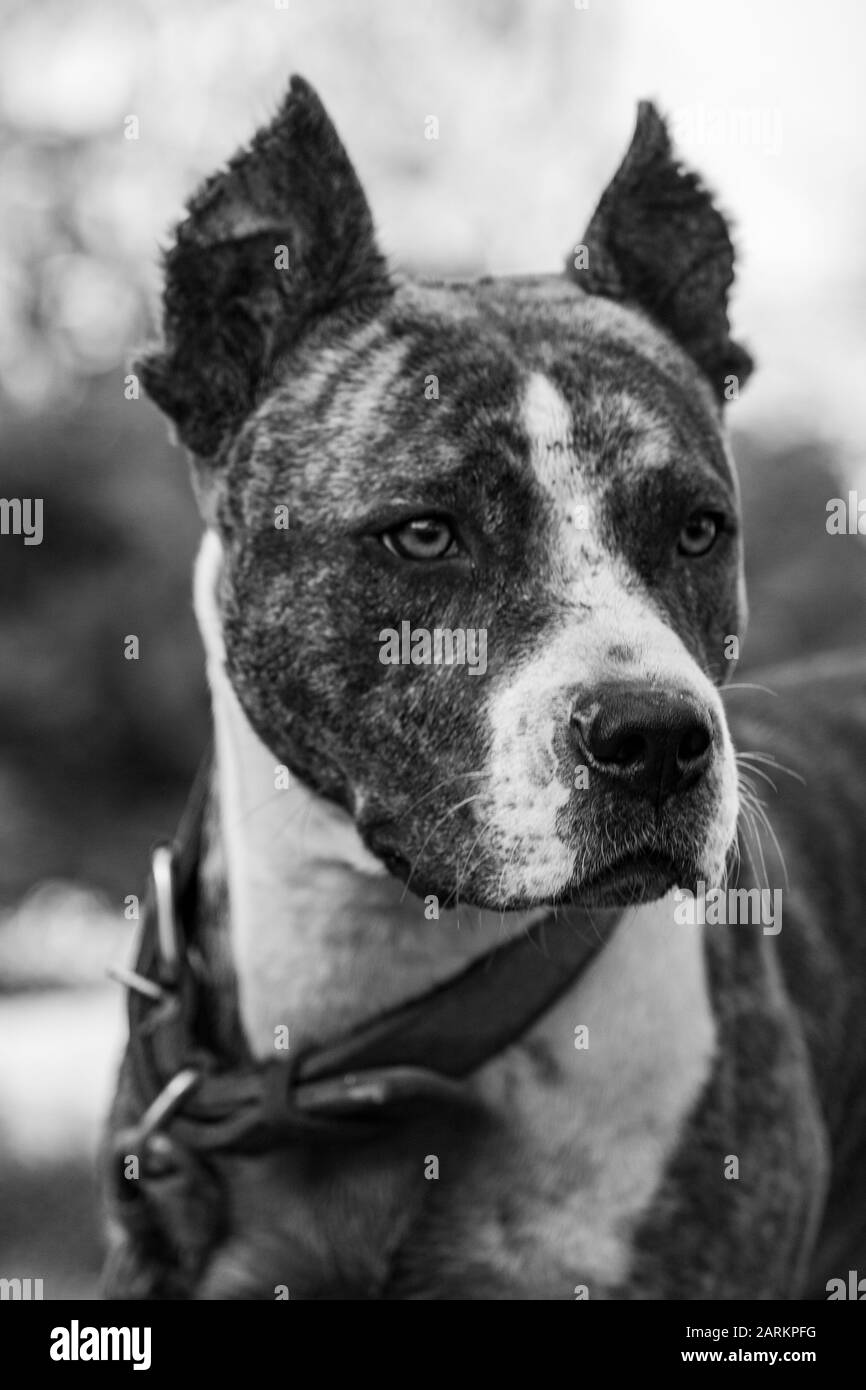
167	936
131	979
162	878
170	1098
138	1139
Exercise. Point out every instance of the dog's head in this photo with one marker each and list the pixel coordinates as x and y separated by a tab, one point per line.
536	463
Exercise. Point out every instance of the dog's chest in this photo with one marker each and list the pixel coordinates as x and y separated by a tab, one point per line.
586	1111
535	1193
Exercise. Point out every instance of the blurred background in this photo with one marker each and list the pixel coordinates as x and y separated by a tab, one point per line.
535	101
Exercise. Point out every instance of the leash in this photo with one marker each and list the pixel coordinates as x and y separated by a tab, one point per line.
195	1107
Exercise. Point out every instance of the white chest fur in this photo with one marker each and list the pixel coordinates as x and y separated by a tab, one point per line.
590	1144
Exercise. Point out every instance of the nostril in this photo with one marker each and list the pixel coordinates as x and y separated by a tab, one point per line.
630	750
694	744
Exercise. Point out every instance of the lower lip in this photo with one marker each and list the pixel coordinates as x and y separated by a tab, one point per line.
639	876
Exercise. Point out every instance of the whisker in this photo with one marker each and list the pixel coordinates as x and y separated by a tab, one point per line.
749	799
749	685
505	869
756	772
439	785
452	811
761	811
761	817
770	761
462	875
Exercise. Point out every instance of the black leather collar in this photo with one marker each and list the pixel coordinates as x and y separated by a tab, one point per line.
417	1053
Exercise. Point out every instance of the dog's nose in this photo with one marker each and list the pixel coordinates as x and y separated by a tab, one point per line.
658	742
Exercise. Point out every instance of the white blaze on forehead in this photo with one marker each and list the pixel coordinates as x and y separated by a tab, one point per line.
547	420
597	603
547	417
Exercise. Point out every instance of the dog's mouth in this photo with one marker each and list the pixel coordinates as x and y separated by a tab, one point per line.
632	878
639	876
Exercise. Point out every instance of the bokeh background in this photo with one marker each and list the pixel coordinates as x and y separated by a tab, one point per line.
535	100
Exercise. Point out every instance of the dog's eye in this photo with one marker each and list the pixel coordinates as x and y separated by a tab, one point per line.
425	538
700	533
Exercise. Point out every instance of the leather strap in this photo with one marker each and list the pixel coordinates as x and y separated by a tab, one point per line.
416	1053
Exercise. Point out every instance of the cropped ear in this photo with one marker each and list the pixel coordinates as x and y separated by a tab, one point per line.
281	237
656	241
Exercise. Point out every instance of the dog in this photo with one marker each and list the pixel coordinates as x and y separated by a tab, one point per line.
549	1081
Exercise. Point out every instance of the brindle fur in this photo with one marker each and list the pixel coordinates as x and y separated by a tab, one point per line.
307	389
